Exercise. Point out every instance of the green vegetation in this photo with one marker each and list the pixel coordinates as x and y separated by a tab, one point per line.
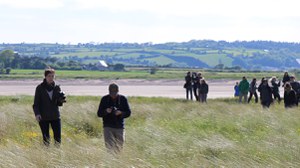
138	73
248	55
160	133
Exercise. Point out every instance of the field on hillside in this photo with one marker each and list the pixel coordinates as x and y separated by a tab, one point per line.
138	73
160	133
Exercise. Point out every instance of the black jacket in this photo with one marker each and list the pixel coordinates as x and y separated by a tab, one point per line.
290	99
203	88
110	119
43	105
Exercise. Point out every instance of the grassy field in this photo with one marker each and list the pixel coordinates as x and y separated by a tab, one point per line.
160	133
138	73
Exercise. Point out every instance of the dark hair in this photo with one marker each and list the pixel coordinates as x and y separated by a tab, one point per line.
48	71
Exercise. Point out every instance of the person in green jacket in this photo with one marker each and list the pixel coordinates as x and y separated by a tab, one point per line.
243	90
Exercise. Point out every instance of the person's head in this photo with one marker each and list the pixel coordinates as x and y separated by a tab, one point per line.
265	81
188	73
254	79
113	89
237	83
244	78
202	81
286	73
287	86
49	75
273	79
292	78
199	74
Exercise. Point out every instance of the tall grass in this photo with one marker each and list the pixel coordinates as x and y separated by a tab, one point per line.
160	133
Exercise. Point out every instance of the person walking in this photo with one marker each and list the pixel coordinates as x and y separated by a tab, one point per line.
252	90
275	89
236	89
243	90
203	91
47	98
295	86
265	93
113	109
290	97
195	83
188	86
286	78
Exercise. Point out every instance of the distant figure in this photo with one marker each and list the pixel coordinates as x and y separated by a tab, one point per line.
252	90
290	97
203	91
265	93
236	90
48	97
195	83
295	86
275	89
286	78
243	90
113	109
188	86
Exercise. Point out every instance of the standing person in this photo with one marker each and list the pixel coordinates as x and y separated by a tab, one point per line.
265	93
252	90
195	84
236	89
243	90
47	98
295	86
203	91
113	109
286	78
275	90
188	85
290	97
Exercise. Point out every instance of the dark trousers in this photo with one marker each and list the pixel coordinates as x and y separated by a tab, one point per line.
189	91
195	92
276	96
255	95
56	128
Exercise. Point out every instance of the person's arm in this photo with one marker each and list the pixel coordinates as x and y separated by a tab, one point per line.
102	108
125	111
36	104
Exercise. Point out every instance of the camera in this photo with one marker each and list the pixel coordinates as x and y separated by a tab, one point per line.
61	98
113	109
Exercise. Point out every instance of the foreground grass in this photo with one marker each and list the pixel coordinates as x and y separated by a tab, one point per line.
138	73
160	133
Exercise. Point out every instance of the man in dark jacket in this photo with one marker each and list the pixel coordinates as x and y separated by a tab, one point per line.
46	101
290	97
188	85
252	91
265	93
295	86
275	89
113	109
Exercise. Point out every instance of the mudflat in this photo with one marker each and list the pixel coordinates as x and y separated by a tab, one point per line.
128	87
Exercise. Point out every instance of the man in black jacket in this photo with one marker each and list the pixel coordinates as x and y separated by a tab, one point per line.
47	98
113	109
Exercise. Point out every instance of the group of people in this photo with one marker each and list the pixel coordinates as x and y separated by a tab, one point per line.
195	83
269	91
113	109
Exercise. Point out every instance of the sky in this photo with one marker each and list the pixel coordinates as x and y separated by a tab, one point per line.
140	21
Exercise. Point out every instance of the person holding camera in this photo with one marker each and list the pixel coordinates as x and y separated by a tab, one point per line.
48	97
113	109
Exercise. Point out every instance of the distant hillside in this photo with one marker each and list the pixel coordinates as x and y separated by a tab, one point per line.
250	55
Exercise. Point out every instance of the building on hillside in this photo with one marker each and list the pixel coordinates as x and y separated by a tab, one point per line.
102	65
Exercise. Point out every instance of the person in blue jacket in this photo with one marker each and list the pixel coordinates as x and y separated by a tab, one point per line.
113	109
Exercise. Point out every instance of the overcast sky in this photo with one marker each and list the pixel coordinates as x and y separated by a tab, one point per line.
157	21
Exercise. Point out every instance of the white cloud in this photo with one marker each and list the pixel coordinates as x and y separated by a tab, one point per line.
38	4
